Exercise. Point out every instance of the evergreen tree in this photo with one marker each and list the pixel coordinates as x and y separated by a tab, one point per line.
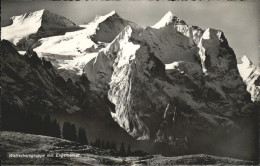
73	133
103	144
82	138
97	143
92	144
107	145
69	131
122	149
29	122
113	146
47	126
55	129
128	152
65	130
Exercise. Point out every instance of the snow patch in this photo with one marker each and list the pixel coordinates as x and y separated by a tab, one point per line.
78	63
245	68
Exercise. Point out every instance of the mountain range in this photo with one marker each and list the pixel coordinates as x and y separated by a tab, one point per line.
158	84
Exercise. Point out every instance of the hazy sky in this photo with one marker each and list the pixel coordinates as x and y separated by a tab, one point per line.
239	20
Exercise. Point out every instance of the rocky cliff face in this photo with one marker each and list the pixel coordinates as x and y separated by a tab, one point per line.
145	73
166	85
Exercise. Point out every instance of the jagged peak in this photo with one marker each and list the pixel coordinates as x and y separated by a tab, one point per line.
112	12
33	13
27	16
169	14
102	18
168	18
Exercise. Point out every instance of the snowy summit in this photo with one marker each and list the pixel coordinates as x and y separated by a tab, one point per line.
168	18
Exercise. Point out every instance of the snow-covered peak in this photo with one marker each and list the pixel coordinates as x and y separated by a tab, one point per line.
94	25
32	22
106	28
112	12
100	19
22	26
27	18
168	18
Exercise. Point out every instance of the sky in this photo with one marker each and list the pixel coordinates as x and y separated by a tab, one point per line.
239	20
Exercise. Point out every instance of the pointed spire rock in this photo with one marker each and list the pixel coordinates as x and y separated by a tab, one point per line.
107	27
169	14
168	18
113	12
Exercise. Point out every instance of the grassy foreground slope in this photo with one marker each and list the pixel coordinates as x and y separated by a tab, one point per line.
33	149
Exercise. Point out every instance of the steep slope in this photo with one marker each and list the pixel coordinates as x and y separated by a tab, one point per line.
70	52
26	29
32	85
29	82
167	86
251	77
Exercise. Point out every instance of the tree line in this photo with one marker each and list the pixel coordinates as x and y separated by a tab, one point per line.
28	122
31	123
69	133
122	151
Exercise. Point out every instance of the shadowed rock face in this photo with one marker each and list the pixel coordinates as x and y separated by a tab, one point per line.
165	87
27	80
257	81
